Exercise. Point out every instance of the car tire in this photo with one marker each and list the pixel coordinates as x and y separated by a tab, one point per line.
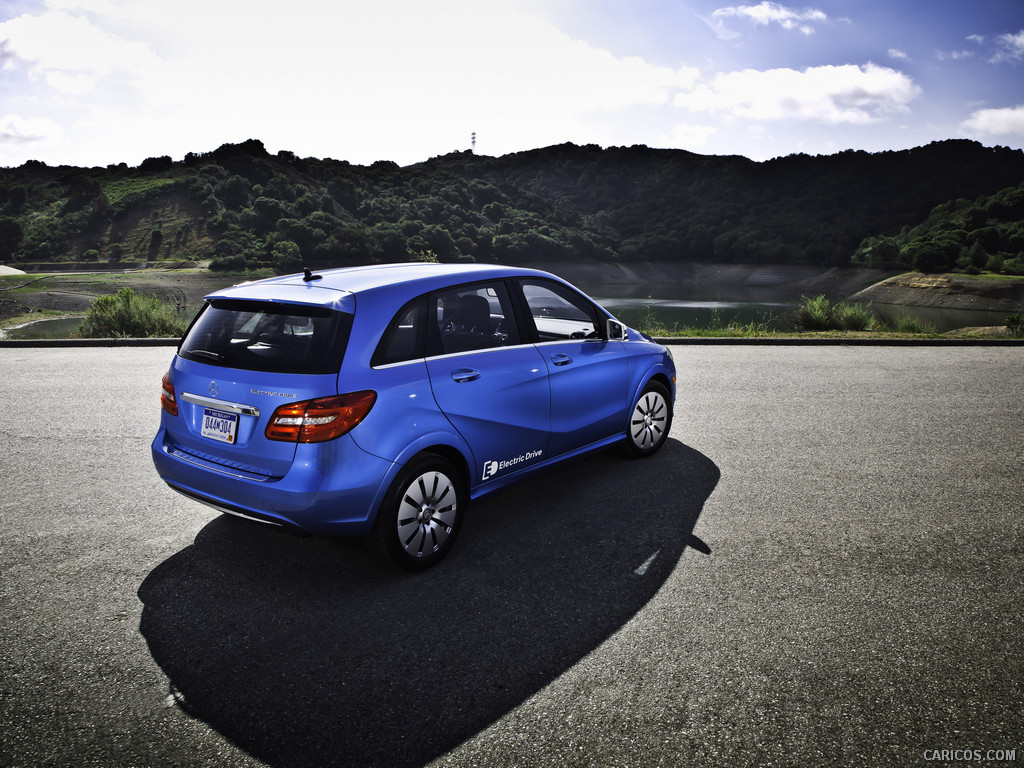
421	514
650	419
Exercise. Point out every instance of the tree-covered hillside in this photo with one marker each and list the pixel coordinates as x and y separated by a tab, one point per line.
243	207
962	235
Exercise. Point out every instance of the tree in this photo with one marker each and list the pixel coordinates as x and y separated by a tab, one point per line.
10	237
286	256
268	212
156	239
233	192
156	164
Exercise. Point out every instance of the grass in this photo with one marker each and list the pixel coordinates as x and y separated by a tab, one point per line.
990	276
116	191
649	323
907	324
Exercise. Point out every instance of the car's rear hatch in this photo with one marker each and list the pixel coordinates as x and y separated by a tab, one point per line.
244	357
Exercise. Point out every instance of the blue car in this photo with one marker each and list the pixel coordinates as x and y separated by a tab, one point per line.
380	401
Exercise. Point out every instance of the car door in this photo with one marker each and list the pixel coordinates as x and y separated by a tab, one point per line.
493	388
587	373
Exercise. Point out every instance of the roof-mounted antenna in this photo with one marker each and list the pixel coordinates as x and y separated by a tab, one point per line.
307	275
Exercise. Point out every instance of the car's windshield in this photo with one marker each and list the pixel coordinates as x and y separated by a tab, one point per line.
262	336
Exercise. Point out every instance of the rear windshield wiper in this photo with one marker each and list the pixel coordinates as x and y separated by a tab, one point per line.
206	353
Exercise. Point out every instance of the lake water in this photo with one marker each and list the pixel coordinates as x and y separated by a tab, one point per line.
701	313
683	306
741	305
779	315
943	319
45	329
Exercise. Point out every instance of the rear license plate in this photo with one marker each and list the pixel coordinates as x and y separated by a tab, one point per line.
218	425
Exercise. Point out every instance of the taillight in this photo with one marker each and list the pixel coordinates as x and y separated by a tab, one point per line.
314	421
167	399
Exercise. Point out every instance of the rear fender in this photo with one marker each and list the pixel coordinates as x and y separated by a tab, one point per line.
450	443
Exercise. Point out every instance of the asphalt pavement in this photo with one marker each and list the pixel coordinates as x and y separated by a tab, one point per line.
822	567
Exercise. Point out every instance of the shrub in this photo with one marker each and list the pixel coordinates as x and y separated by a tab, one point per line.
234	263
995	263
126	315
814	314
853	317
1014	266
1015	324
819	314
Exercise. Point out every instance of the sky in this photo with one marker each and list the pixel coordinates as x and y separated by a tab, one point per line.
100	82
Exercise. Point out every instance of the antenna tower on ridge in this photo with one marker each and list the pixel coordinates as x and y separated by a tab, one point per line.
473	141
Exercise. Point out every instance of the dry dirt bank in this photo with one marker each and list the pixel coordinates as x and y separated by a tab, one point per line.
946	292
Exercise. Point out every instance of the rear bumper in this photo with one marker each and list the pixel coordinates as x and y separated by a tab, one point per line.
331	489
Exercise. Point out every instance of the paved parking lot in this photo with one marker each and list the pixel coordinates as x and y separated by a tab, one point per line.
822	568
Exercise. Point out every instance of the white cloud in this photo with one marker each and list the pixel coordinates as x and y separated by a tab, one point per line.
17	130
690	136
77	85
60	42
828	94
1008	121
896	53
772	13
1009	48
331	79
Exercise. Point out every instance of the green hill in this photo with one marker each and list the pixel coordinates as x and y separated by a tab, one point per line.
968	236
242	207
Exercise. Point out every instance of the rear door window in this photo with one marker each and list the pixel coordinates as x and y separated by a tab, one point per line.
471	318
264	336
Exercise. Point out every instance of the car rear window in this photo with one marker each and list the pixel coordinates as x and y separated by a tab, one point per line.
265	336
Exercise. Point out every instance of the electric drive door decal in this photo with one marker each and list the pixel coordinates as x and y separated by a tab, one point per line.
491	468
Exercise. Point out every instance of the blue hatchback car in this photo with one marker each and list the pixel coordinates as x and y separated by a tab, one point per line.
380	401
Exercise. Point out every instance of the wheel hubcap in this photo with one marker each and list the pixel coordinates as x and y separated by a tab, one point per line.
650	416
427	514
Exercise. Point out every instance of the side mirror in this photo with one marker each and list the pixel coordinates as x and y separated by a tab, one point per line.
615	331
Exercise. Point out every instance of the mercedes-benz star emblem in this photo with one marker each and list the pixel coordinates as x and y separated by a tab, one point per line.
213	389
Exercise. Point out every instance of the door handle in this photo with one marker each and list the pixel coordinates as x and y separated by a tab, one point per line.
561	359
465	374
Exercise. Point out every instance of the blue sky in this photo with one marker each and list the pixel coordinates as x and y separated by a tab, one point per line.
94	82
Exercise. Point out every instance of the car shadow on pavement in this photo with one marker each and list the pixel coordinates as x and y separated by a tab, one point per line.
310	652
